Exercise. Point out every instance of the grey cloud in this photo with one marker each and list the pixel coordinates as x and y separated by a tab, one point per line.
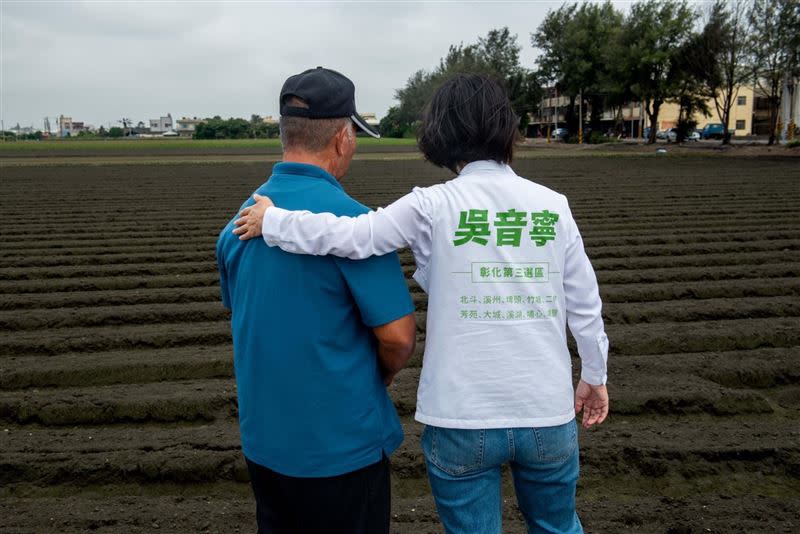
99	61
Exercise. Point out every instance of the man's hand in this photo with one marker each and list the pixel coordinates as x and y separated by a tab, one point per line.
248	225
593	400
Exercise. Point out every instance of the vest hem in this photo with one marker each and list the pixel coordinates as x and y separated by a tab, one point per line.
478	424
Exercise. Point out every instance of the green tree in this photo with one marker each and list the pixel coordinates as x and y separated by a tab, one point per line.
579	45
726	37
695	69
549	38
391	125
413	97
654	33
773	50
495	55
115	131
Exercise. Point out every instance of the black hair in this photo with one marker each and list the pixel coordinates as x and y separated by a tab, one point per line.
469	118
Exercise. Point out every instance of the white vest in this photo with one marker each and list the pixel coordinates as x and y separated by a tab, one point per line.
496	348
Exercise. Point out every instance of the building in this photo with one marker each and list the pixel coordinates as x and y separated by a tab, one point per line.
68	127
185	126
371	119
553	114
741	120
161	125
22	130
633	118
788	113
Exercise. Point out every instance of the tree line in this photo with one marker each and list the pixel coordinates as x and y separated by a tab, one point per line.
219	128
661	51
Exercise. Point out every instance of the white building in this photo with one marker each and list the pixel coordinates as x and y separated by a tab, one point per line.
370	119
68	127
22	130
161	125
185	126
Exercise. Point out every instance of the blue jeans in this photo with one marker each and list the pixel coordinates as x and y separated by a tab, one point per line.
464	472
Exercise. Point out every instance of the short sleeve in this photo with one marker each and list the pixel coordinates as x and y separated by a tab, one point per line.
378	288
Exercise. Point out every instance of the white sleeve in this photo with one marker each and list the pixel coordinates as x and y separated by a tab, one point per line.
375	233
584	309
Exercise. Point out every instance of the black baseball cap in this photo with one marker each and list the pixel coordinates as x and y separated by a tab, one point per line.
329	95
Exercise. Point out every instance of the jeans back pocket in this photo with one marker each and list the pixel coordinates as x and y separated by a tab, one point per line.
456	451
556	443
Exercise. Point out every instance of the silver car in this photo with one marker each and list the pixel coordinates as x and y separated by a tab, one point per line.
672	135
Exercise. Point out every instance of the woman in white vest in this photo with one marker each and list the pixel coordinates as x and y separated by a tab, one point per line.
505	270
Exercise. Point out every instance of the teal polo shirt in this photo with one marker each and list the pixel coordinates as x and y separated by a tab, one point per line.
311	399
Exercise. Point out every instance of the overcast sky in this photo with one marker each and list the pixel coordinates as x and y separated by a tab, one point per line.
99	61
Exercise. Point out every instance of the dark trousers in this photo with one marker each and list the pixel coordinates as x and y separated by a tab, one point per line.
358	502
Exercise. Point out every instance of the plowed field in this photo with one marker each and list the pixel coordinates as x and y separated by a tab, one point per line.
118	407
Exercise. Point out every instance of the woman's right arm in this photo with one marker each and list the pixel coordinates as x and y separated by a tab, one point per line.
402	223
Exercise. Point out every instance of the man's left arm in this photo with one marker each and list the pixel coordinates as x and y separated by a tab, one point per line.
381	294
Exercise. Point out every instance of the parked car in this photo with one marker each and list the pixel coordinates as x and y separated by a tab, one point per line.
662	134
672	136
646	133
715	130
560	133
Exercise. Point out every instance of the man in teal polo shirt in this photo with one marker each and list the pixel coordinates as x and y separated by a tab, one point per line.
316	338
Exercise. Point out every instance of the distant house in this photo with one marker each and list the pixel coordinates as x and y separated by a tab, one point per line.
161	125
371	119
741	114
140	129
68	127
23	130
269	119
185	126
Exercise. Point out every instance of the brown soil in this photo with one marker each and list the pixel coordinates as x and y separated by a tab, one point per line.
118	410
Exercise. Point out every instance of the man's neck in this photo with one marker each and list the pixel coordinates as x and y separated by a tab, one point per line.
310	158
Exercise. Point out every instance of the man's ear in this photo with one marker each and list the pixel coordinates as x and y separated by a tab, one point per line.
341	139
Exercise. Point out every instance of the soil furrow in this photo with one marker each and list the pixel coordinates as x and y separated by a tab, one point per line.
136	314
78	299
105	283
104	338
701	289
192	362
